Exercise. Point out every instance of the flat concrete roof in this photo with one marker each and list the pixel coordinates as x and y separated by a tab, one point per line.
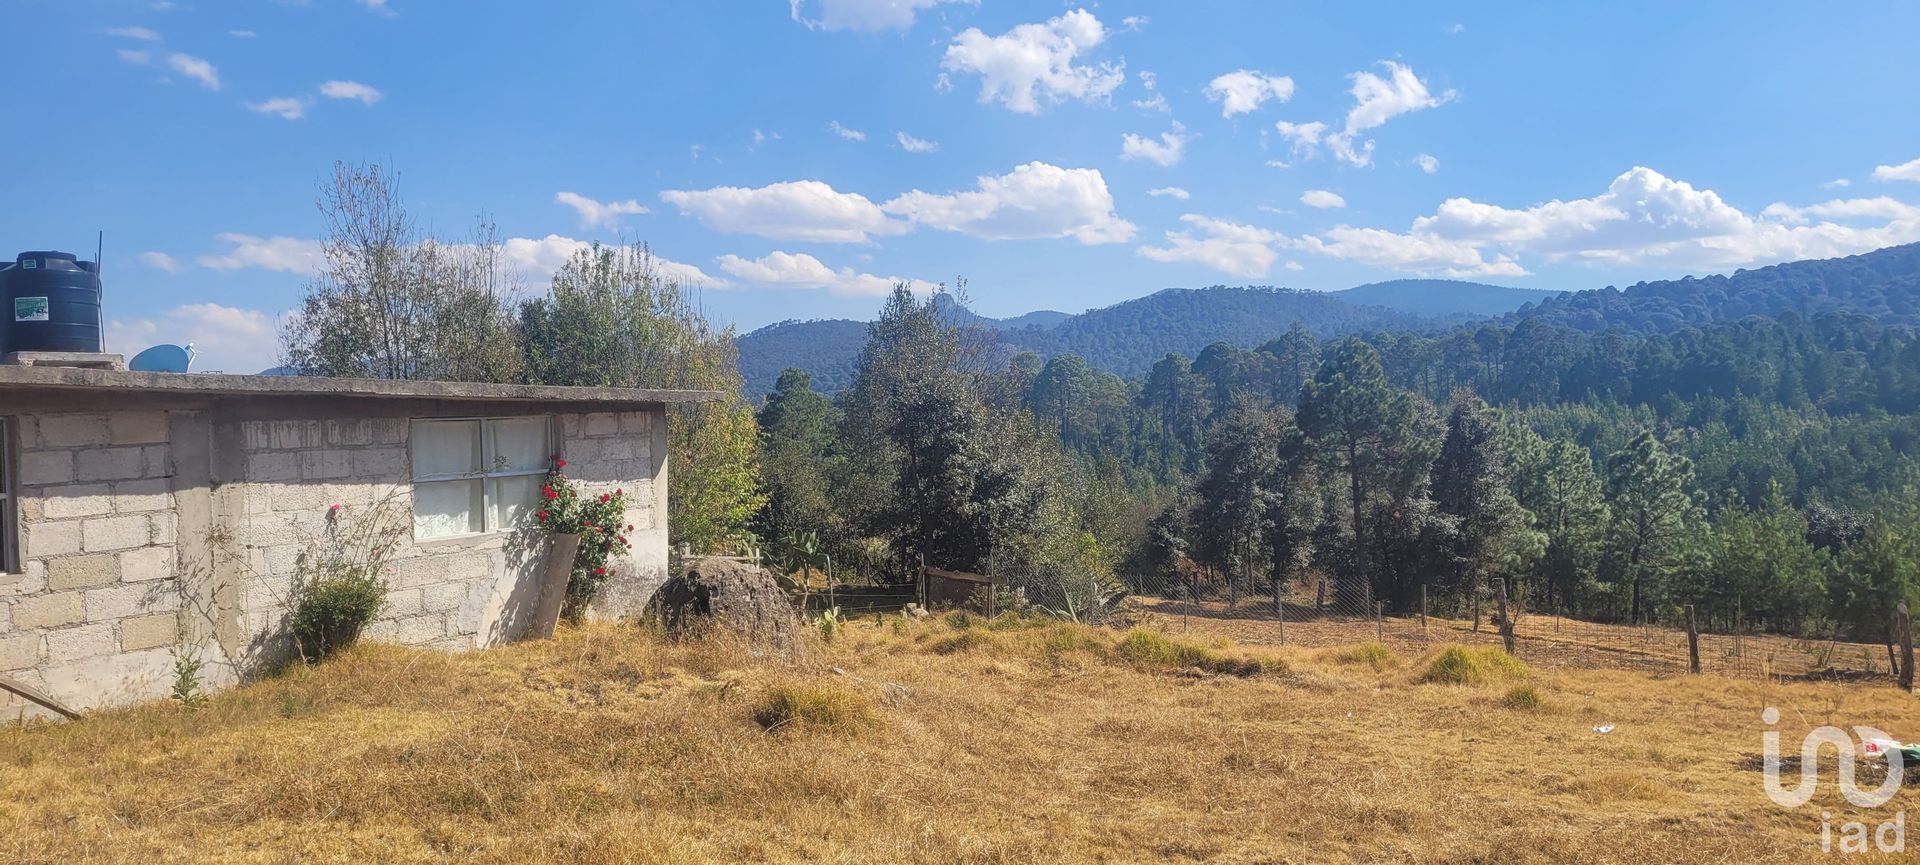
42	379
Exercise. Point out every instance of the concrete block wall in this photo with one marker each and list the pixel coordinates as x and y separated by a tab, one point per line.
449	593
94	612
126	557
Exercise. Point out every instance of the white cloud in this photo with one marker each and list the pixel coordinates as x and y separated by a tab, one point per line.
379	6
1903	171
1376	100
867	15
141	33
1294	266
1322	199
539	257
351	90
1412	253
196	69
1457	28
158	261
224	338
1170	192
135	57
844	132
284	254
1427	162
286	107
915	145
1135	22
1033	201
1033	63
1305	137
1243	91
242	34
1165	152
799	270
1244	251
1154	100
1643	218
596	213
805	210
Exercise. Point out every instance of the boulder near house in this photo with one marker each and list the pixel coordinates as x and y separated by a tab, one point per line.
148	514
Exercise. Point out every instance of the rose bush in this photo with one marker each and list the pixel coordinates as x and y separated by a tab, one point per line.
599	520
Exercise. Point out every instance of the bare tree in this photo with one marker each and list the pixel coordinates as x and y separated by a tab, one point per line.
393	301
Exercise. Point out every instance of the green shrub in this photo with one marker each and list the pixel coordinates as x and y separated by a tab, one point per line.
1524	698
332	611
1150	650
960	620
1374	655
815	707
1472	665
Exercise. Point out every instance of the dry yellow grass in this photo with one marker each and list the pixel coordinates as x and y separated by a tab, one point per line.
1052	743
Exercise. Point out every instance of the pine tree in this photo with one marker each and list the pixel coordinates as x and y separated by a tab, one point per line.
1494	534
1651	497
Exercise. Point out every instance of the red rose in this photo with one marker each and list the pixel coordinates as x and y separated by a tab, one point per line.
604	498
599	572
559	463
543	515
549	493
619	492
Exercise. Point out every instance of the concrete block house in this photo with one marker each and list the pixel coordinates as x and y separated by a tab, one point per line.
145	514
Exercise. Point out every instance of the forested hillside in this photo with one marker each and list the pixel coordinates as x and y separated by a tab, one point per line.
1761	468
1884	284
1125	338
1440	297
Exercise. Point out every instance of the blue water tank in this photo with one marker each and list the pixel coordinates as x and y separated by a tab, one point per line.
49	301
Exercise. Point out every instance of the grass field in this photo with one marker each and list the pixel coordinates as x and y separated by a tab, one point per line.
934	742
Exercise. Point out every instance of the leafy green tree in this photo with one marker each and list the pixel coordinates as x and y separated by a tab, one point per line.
1758	565
1655	517
1236	493
1872	577
1364	432
1558	485
612	320
1494	535
800	458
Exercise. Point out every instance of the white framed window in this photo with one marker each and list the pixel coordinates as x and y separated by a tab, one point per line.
9	504
477	475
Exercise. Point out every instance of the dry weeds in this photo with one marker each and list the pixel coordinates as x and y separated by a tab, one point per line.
1050	743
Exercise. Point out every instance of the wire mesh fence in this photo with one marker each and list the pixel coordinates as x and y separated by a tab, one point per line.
1317	612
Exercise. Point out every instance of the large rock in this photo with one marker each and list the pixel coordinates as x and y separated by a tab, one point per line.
713	593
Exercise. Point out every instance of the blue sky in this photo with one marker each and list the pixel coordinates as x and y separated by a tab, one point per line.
793	160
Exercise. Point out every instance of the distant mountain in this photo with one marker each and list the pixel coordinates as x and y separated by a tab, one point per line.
1884	284
1125	338
1128	337
1439	297
828	349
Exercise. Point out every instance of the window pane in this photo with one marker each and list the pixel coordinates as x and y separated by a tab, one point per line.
446	447
513	499
443	508
519	444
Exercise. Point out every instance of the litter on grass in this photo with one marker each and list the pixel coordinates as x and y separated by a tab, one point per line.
1603	729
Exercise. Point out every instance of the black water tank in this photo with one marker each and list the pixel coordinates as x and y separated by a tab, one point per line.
49	301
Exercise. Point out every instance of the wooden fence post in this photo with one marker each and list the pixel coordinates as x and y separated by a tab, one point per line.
1693	641
1380	621
1506	618
1903	631
1423	608
1280	612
